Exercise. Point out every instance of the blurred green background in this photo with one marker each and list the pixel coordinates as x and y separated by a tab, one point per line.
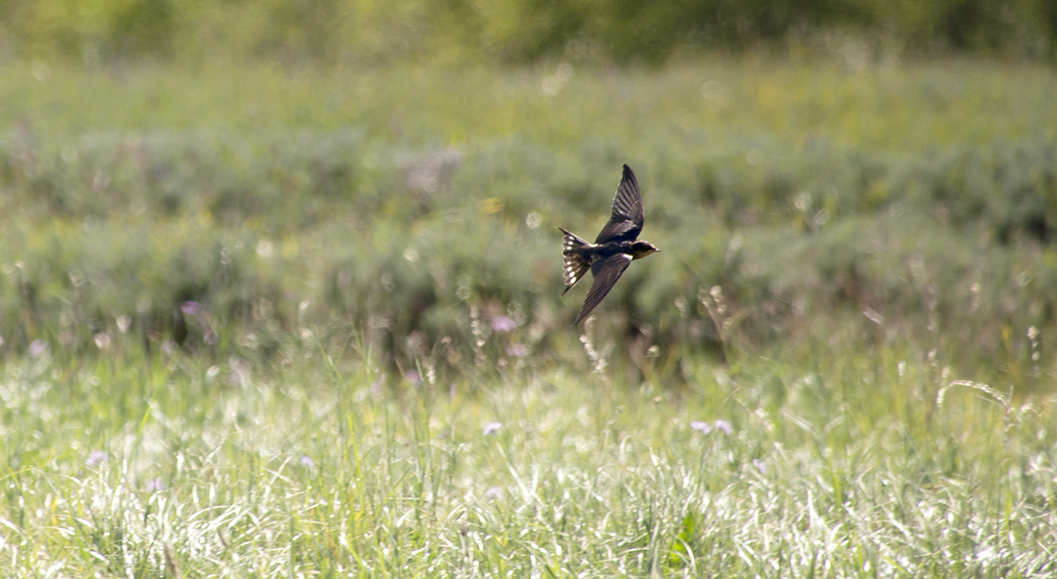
509	31
220	177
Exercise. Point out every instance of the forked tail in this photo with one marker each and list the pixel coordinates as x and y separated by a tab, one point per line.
575	263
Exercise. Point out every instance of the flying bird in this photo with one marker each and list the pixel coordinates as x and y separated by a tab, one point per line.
616	246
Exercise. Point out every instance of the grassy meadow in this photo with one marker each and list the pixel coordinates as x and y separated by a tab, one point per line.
304	322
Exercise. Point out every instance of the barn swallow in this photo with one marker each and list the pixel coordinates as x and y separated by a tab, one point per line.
616	246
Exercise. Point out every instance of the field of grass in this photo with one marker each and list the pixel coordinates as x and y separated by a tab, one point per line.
295	323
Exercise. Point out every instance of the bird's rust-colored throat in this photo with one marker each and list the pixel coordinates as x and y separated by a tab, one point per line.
642	248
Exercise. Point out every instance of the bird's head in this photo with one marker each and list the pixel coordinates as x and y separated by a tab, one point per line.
642	248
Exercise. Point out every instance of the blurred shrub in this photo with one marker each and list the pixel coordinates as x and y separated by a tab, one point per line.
507	31
215	241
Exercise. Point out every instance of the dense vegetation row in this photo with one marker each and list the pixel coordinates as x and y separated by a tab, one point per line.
229	240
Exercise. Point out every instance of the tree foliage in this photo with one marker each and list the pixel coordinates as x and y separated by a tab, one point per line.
507	30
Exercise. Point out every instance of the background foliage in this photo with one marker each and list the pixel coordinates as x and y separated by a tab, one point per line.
871	207
512	30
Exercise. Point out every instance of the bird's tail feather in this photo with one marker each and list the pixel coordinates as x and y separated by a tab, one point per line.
575	264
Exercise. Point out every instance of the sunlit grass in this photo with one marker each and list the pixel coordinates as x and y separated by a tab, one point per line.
171	467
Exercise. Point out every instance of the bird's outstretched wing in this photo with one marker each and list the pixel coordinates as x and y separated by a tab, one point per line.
606	273
627	219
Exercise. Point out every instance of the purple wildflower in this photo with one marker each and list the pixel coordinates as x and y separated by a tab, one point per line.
701	426
37	347
492	428
190	308
413	377
493	493
760	466
517	350
724	426
307	461
155	485
503	324
96	457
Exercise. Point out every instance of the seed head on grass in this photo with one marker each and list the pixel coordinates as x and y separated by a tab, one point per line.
102	341
598	358
480	336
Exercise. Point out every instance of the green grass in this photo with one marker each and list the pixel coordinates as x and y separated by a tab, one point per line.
249	322
858	466
905	108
